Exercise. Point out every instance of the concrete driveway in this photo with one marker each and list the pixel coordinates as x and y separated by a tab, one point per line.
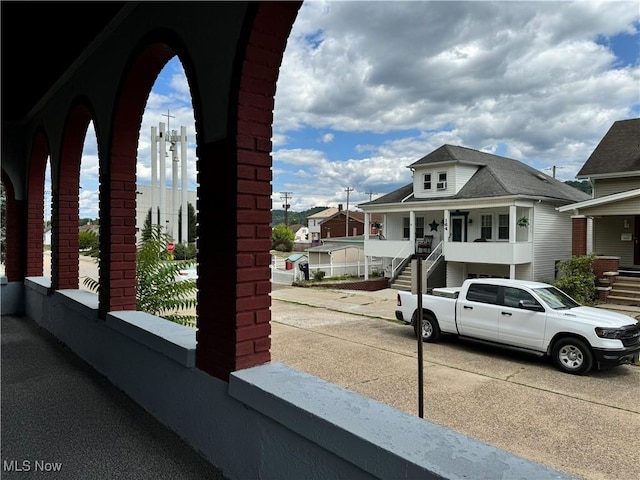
587	427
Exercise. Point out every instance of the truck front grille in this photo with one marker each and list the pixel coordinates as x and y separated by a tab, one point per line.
631	335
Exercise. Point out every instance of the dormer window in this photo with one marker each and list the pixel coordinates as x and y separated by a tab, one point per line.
442	181
427	181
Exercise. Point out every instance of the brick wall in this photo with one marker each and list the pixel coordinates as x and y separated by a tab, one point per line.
579	236
234	277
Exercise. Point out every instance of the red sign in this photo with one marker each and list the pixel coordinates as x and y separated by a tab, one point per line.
171	247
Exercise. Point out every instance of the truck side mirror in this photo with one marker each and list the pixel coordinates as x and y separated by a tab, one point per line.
530	305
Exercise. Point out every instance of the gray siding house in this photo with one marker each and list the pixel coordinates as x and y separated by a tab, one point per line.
609	223
476	215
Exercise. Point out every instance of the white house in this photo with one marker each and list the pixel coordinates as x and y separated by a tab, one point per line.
482	214
314	221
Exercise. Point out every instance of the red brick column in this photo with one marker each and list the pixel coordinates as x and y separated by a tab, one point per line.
118	184
14	253
579	236
35	207
234	277
65	204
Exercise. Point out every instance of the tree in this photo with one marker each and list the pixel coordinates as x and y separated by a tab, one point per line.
282	238
146	228
192	222
158	290
89	241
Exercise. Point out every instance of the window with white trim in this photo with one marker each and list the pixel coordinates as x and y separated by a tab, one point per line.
486	227
503	227
419	227
426	184
442	181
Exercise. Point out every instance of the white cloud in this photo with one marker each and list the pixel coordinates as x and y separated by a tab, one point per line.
385	66
327	138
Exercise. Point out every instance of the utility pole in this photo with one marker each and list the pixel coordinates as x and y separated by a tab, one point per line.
553	169
348	190
286	206
370	195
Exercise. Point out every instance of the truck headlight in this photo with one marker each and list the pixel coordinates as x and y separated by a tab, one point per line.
608	332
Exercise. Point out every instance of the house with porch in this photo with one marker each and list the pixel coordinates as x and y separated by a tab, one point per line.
474	214
608	224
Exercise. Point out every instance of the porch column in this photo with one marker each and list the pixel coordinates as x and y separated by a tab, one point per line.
579	235
512	226
445	227
367	233
412	228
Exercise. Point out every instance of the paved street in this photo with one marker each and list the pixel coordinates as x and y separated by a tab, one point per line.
583	426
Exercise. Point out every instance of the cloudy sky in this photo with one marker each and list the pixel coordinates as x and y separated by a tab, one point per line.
366	88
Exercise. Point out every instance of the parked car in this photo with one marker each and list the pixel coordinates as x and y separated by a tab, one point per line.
533	317
190	273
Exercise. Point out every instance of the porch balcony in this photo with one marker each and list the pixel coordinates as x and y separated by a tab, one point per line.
499	253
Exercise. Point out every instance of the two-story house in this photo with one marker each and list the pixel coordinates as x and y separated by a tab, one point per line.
314	223
483	215
608	224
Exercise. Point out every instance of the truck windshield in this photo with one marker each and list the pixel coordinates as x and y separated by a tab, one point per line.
556	299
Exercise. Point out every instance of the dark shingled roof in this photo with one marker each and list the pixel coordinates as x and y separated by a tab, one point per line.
618	151
496	177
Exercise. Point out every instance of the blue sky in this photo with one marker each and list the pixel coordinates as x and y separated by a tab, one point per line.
367	88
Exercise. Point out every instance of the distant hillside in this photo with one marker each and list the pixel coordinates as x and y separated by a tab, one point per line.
277	216
583	185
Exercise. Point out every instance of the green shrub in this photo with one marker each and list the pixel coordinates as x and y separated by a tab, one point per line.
577	278
318	275
184	251
158	290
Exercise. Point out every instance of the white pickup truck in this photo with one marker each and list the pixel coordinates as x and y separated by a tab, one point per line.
528	316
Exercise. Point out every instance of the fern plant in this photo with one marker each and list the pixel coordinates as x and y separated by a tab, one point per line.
158	290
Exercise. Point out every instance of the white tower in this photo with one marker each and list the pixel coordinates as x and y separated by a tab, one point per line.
170	205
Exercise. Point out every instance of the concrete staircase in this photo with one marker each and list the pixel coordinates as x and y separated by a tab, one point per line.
403	281
625	290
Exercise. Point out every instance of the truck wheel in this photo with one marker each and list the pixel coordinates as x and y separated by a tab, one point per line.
572	355
430	327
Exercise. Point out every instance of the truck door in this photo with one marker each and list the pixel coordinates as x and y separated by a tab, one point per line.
519	326
478	312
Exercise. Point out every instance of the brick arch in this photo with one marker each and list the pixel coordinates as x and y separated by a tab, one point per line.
65	199
118	175
234	277
35	205
14	251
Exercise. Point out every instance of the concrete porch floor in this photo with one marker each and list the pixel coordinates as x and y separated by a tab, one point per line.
59	414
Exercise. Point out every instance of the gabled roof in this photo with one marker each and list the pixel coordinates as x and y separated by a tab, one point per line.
296	226
358	216
618	151
327	212
496	177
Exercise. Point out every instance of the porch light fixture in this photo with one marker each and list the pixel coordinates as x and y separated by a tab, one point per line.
625	224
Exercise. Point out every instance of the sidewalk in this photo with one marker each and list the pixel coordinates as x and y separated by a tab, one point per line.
378	304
